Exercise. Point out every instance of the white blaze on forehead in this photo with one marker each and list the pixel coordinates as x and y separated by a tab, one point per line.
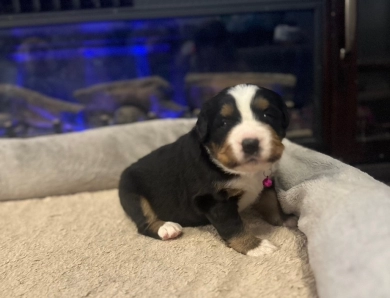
243	95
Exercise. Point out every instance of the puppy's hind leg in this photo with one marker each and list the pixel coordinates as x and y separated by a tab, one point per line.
147	222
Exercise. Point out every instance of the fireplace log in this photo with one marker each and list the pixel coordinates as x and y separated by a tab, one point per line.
129	114
34	108
141	93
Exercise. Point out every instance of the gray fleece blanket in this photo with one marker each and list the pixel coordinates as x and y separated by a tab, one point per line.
343	212
345	215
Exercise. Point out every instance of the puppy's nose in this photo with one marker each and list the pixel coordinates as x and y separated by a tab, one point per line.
250	146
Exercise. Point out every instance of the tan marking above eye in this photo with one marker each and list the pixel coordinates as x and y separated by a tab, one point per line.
227	110
261	103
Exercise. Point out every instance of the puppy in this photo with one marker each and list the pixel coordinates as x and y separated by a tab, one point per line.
213	172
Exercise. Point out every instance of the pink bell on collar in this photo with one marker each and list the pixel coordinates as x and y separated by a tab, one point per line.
267	182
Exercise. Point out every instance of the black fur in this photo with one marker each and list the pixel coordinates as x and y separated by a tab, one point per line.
171	177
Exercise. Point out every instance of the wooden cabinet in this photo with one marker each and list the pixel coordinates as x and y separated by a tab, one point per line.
357	80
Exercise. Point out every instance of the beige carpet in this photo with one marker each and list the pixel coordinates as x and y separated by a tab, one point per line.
83	245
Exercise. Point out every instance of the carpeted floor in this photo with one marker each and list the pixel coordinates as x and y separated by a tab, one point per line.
83	245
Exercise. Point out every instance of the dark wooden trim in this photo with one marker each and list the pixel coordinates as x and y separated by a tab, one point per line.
343	102
154	11
343	97
327	81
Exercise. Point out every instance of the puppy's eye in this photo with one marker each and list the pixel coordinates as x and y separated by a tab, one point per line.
223	123
269	115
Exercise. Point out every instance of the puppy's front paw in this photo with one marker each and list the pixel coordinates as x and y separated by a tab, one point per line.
265	247
169	230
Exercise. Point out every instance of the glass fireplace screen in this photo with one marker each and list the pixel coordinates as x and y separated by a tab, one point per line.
73	77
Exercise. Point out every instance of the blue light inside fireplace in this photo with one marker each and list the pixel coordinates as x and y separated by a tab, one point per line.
91	53
99	44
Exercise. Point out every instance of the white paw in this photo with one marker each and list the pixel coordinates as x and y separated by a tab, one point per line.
264	248
169	230
291	222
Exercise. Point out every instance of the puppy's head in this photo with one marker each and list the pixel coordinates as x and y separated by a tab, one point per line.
242	128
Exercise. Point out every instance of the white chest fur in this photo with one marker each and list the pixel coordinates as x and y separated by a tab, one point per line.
252	186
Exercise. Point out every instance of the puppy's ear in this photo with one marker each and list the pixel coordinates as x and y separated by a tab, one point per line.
201	126
285	121
205	117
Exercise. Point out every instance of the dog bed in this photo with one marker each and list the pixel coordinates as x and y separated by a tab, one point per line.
76	241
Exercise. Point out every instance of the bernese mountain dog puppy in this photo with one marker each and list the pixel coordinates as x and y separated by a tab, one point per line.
212	173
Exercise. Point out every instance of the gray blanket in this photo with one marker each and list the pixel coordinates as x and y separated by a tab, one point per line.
343	212
345	215
76	162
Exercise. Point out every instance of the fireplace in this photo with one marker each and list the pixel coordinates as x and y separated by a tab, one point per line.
76	65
